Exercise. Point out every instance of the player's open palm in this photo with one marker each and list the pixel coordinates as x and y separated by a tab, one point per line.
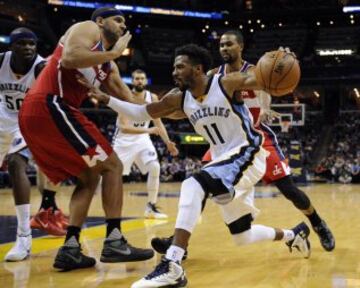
122	43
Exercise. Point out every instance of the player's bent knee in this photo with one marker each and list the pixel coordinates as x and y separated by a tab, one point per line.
239	229
16	164
112	163
190	192
191	197
153	167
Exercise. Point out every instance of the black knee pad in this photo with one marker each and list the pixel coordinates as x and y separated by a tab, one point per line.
288	188
240	225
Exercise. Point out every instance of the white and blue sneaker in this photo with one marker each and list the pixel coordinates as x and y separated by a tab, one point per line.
301	240
166	274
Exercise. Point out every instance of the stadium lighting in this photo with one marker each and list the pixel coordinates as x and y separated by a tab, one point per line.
258	21
263	26
357	93
252	30
207	27
249	21
138	9
241	26
352	21
226	22
4	39
331	22
348	9
280	24
318	23
317	95
351	16
334	52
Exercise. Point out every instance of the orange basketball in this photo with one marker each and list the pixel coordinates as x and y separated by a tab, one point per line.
278	72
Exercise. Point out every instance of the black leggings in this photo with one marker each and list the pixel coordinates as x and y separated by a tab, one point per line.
287	187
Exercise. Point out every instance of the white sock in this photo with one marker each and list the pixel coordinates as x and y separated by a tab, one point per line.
153	181
288	235
23	219
175	253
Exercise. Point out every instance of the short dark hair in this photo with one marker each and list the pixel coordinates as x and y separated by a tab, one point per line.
237	34
105	12
197	55
138	71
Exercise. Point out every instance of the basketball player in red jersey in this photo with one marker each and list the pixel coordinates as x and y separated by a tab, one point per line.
65	143
277	170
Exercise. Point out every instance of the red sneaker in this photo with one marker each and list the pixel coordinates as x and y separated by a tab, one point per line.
61	218
45	220
39	220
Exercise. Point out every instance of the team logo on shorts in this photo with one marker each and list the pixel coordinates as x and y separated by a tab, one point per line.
151	153
17	141
277	170
94	154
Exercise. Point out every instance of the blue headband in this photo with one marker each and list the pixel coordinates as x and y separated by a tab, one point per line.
107	13
22	35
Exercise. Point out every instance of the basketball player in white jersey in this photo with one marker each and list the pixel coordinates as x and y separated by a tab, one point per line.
238	164
18	69
132	144
277	170
258	102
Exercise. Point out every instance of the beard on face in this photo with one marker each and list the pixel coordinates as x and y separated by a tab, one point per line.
230	59
139	88
110	36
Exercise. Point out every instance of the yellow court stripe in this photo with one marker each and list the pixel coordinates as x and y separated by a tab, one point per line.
45	243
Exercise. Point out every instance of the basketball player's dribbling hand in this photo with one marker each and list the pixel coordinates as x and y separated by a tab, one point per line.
121	44
266	115
171	146
287	50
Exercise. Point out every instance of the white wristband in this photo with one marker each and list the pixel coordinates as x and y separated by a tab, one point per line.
133	111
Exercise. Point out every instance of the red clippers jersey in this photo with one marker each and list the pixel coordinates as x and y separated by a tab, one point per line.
56	80
250	96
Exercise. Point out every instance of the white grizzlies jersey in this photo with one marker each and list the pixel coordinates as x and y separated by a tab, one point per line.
13	90
224	123
126	139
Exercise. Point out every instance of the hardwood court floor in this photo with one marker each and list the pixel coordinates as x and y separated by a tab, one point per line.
214	261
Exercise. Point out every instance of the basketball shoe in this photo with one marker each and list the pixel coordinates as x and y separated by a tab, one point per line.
71	258
119	250
152	212
61	218
46	220
327	239
21	250
166	274
301	241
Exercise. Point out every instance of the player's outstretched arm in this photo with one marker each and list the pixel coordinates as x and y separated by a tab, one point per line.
79	40
238	81
171	146
115	85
